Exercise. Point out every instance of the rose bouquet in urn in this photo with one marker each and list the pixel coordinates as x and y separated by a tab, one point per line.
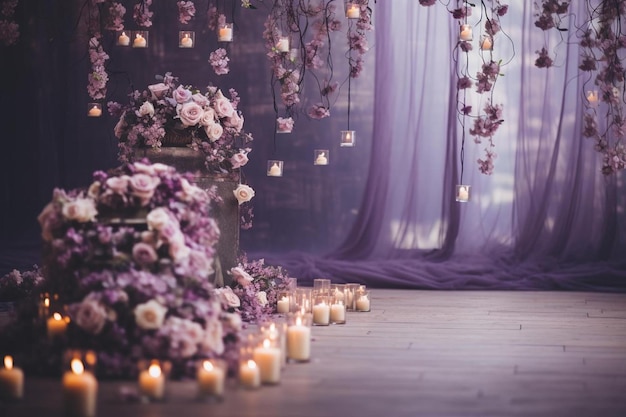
172	114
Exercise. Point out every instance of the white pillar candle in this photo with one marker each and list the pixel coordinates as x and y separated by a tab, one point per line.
11	380
299	341
56	326
338	313
282	305
95	111
268	360
321	314
80	391
249	375
275	171
152	382
463	194
466	33
186	41
210	380
123	39
592	97
139	42
363	303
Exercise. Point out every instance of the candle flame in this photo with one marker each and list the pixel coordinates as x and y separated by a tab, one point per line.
46	302
207	365
123	33
57	316
266	343
154	370
298	321
77	366
251	364
8	362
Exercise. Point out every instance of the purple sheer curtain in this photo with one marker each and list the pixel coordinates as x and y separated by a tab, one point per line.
546	219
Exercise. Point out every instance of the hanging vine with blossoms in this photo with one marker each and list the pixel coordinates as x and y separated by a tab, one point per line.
487	118
602	42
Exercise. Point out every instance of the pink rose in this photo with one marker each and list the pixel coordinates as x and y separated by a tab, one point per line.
228	298
243	193
170	232
120	127
191	192
146	109
181	95
143	186
214	131
144	254
178	250
200	99
239	159
223	106
158	90
160	168
47	220
190	113
90	316
158	218
235	121
241	276
208	118
82	210
119	185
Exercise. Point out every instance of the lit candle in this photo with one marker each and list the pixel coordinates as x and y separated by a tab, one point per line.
249	376
11	380
463	194
139	42
592	97
275	171
486	44
299	341
282	305
268	360
321	159
95	111
353	11
80	390
338	312
210	380
466	33
123	39
186	41
321	314
283	44
225	34
152	382
363	303
56	326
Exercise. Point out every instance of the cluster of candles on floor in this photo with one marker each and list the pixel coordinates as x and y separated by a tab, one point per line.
262	355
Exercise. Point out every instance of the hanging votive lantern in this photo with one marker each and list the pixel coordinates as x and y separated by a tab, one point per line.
94	109
486	43
140	39
353	10
466	33
274	168
463	193
294	53
282	45
592	97
225	32
186	39
321	157
347	138
123	39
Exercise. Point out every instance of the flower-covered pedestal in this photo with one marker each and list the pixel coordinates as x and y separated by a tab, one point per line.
225	212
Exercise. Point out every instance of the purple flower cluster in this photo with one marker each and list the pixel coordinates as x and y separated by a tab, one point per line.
543	59
115	19
186	11
550	13
9	30
17	285
142	14
98	77
132	258
219	61
211	119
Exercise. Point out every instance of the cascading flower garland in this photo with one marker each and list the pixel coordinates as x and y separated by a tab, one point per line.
98	77
142	14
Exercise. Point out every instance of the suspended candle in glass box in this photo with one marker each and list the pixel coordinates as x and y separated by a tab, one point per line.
274	168
225	32
140	39
347	138
462	193
321	157
94	109
466	33
353	10
282	45
186	39
486	43
592	97
123	39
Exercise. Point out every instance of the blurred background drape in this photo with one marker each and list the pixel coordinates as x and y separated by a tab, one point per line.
383	212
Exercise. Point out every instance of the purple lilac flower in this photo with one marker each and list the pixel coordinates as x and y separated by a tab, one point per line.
186	11
219	61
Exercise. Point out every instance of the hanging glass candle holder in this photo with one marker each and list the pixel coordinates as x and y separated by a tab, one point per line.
283	44
592	97
320	157
140	39
94	109
466	33
186	39
486	43
463	193
274	168
353	10
347	138
225	32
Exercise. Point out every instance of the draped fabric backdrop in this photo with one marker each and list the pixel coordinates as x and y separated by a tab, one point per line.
382	213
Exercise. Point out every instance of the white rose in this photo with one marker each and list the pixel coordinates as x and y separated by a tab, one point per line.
228	298
243	193
223	106
158	218
90	316
200	99
160	168
178	250
118	185
158	90
82	210
208	118
241	276
150	315
190	113
214	131
262	297
94	189
146	109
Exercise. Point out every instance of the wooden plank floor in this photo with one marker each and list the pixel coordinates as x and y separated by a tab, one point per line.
426	353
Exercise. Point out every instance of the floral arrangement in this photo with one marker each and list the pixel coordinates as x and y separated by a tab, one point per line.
98	77
131	258
255	291
207	120
17	285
